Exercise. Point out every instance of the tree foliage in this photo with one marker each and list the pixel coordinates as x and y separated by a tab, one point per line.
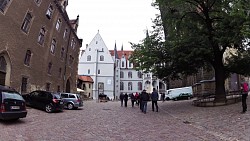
197	33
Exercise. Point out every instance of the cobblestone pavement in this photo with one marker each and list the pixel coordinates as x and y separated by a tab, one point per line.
175	121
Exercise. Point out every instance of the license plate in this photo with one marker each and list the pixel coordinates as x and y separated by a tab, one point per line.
15	107
61	102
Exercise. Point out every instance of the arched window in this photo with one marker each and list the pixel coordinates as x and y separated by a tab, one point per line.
130	74
53	46
101	58
49	67
3	64
27	58
121	74
41	36
139	85
139	74
58	24
121	86
130	86
88	58
62	53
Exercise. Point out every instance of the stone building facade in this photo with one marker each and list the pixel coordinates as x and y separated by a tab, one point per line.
39	46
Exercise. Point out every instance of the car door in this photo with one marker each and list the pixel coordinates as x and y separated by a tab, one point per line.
33	98
43	99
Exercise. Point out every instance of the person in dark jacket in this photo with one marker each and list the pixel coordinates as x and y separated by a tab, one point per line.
126	99
121	98
154	98
144	100
132	99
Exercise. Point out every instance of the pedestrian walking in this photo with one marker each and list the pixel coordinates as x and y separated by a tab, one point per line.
121	99
144	99
244	92
126	99
132	99
137	98
163	97
154	98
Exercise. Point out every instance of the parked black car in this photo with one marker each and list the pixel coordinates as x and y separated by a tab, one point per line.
184	96
71	100
13	105
44	100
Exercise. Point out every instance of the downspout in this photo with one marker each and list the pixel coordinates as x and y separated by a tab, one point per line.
96	85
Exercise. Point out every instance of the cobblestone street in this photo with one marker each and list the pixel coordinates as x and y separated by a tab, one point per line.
176	120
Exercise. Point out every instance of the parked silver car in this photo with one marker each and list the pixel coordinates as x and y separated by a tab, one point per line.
71	100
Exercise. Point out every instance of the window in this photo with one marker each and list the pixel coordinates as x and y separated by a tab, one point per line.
71	59
65	33
41	36
88	71
38	2
89	49
58	24
139	74
84	86
4	4
53	46
47	86
122	64
60	73
99	71
130	74
129	64
130	86
3	64
121	86
121	74
139	86
24	85
62	53
49	12
73	43
89	85
88	58
27	58
101	58
49	67
26	22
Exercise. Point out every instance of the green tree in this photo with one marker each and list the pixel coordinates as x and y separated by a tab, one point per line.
197	33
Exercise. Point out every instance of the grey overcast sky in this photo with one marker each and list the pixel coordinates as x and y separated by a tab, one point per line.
120	21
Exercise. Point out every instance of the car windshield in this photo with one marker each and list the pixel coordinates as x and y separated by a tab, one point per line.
12	95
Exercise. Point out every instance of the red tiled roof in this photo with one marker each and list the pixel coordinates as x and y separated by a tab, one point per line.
86	78
120	53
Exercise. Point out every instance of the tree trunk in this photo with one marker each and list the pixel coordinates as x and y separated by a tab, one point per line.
220	94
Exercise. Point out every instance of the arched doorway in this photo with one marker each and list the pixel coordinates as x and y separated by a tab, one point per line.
3	66
68	86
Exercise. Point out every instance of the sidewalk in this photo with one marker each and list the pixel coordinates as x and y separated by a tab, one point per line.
224	122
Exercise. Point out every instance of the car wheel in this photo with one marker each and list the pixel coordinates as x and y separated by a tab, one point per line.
48	108
70	106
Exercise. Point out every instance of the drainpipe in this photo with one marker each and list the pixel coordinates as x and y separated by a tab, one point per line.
96	71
